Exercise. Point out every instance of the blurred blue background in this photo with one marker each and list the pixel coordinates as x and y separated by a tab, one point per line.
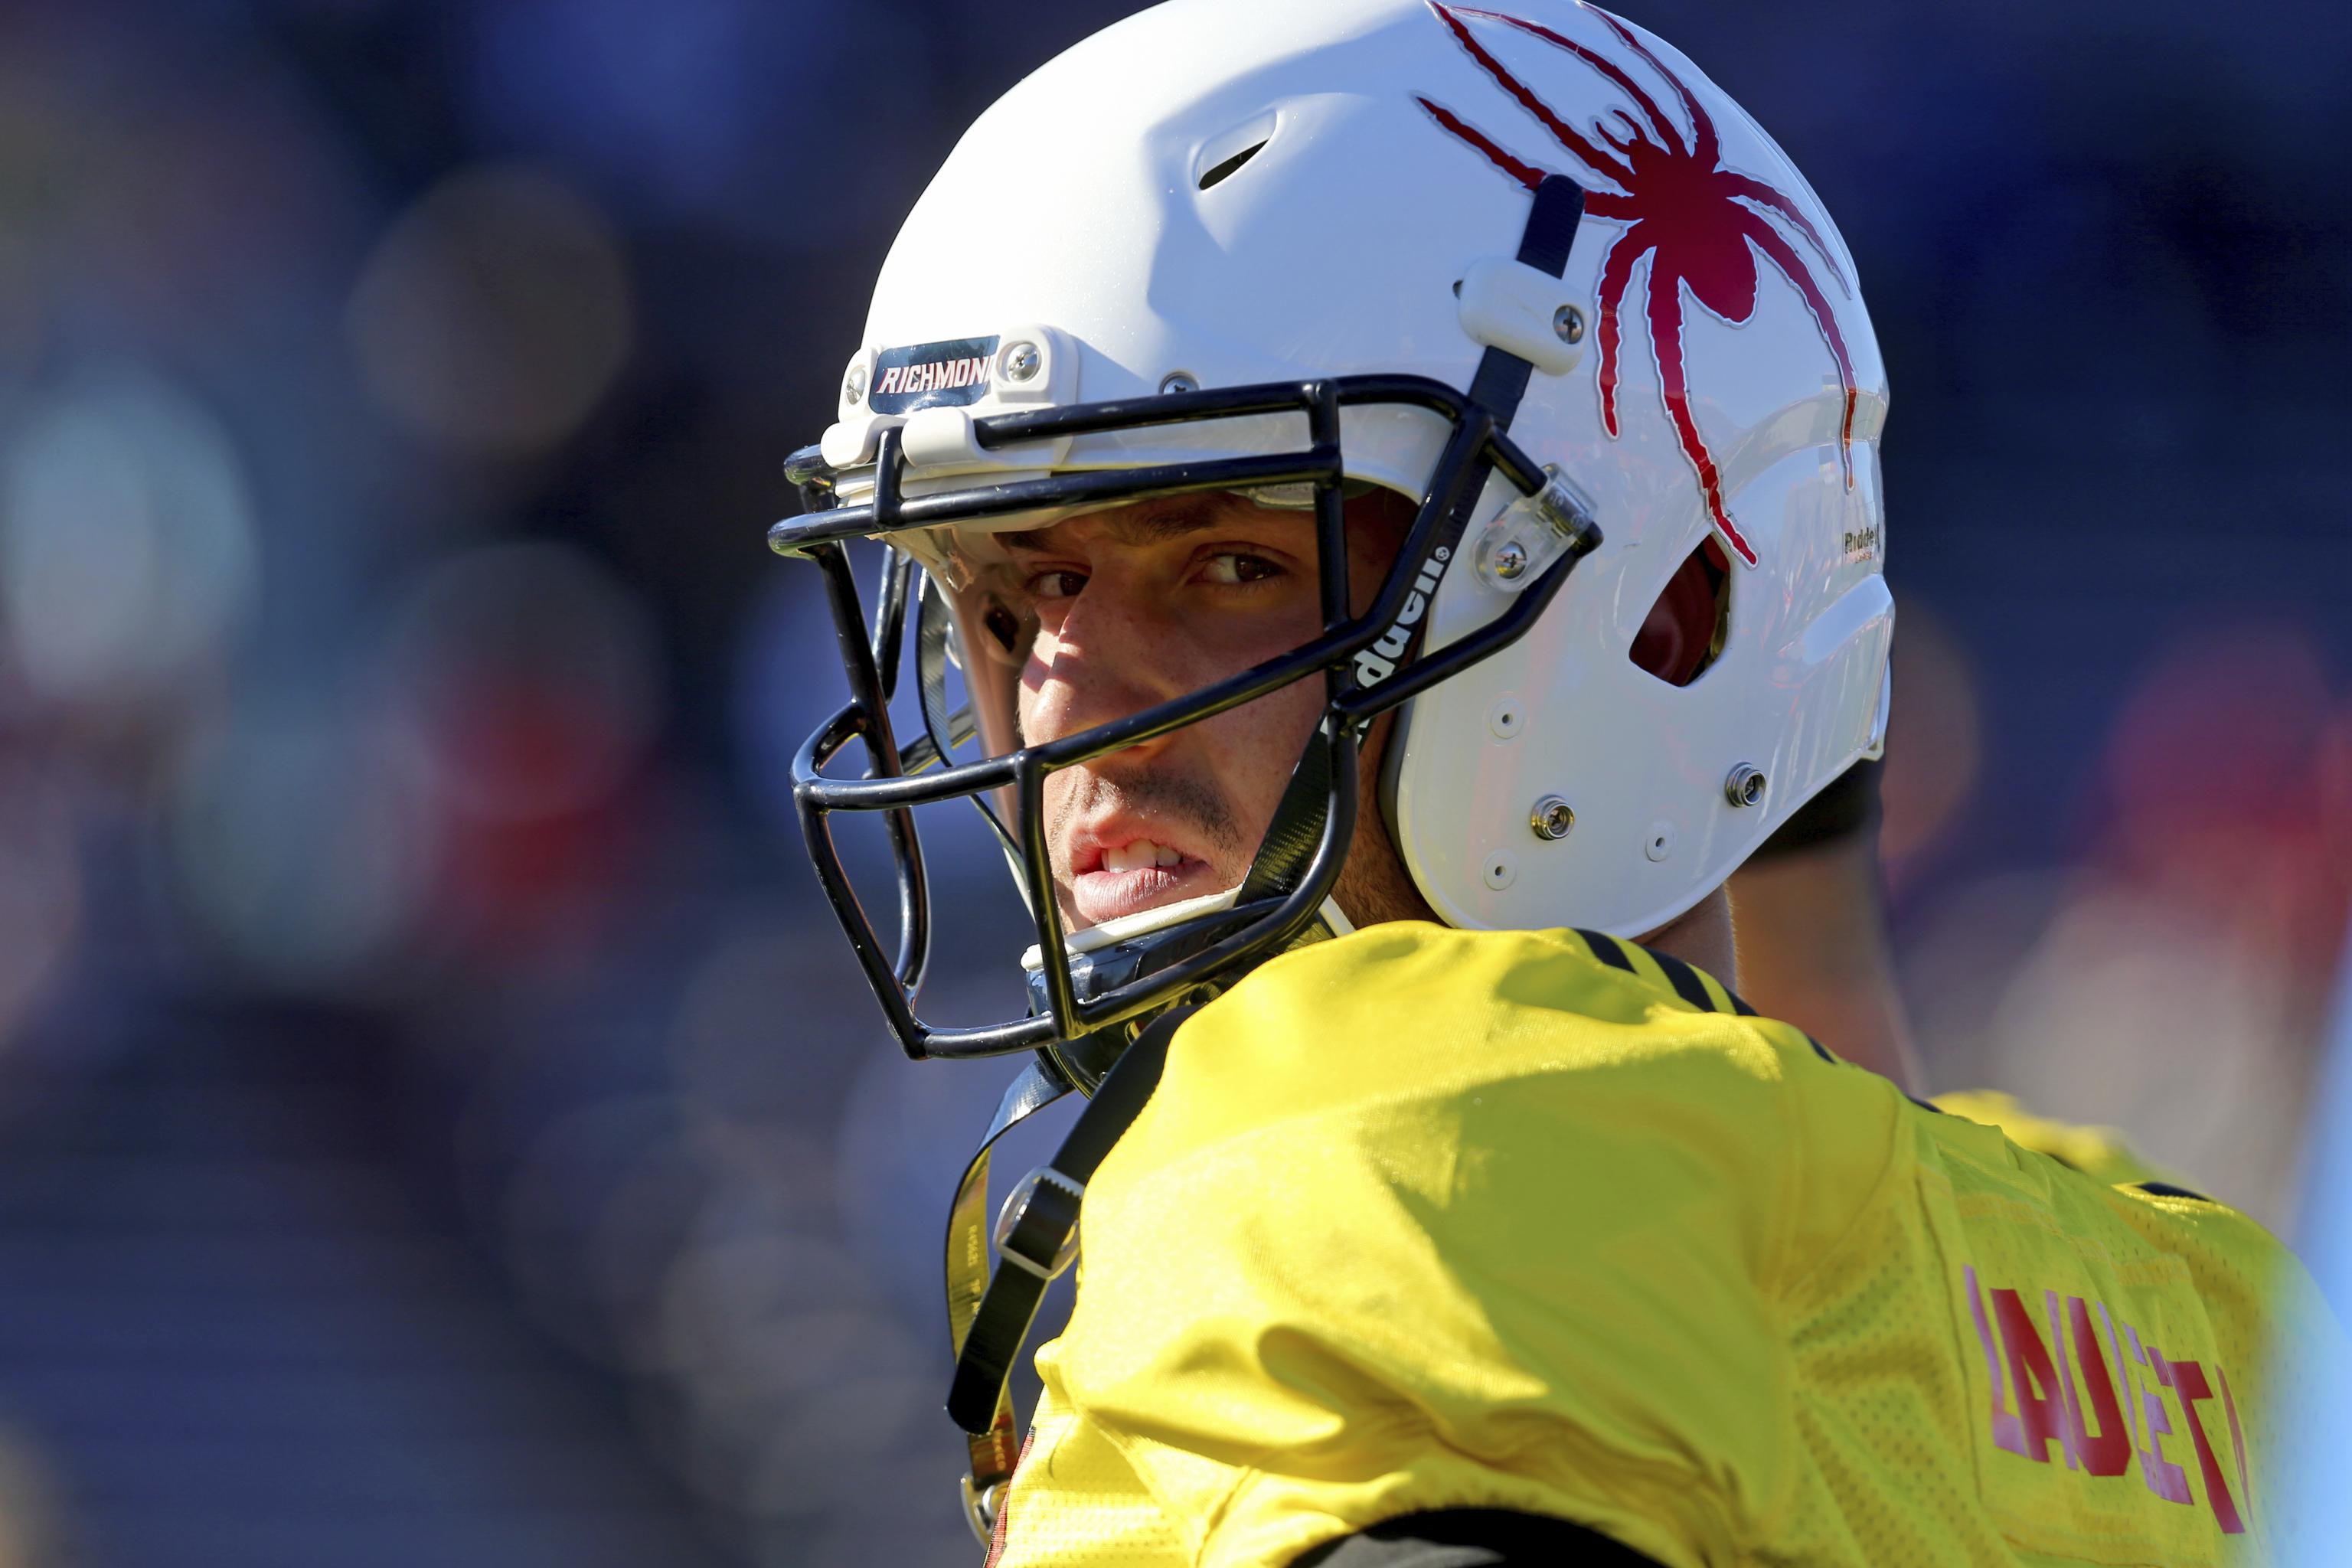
437	1118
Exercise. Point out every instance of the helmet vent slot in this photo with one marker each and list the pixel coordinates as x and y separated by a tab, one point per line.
1684	631
1227	170
1221	157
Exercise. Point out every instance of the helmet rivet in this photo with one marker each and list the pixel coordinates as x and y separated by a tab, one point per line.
1179	380
1744	785
854	388
1567	322
1552	817
1020	361
1509	559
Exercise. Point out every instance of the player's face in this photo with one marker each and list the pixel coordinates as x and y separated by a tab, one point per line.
1137	605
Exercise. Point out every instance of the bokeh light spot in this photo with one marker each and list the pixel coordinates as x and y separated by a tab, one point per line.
126	540
524	676
40	887
300	847
495	314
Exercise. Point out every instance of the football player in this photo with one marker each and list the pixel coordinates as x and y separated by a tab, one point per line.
1383	509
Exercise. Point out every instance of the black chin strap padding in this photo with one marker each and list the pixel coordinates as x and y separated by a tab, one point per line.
1038	1085
933	624
932	628
1289	844
1006	1311
1501	378
993	1452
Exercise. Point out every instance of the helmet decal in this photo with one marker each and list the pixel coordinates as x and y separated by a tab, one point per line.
931	376
1700	223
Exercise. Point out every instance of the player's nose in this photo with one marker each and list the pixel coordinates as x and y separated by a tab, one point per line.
1108	659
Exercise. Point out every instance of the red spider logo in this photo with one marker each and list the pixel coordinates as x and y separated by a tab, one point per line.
1700	222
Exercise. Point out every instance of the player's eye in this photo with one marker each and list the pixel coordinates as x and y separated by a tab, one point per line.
1003	625
1056	585
1233	567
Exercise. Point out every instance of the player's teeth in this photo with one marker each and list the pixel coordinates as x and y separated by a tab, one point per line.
1139	856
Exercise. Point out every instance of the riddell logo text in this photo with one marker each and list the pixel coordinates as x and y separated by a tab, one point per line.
1377	662
2060	1390
936	376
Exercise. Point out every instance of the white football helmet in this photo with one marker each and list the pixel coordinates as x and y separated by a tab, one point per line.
1301	249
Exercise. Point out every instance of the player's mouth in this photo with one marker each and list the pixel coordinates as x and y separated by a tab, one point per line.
1109	879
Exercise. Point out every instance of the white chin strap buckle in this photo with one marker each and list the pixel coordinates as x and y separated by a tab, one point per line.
1094	938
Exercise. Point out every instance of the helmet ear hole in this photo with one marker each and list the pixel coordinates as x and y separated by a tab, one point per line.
1684	631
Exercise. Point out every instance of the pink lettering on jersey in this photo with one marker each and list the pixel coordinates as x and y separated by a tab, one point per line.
2108	1451
2165	1478
2186	1379
2062	1387
2071	1426
2123	1371
2007	1431
2032	1378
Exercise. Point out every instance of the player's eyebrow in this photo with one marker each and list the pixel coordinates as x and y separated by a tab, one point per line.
1155	524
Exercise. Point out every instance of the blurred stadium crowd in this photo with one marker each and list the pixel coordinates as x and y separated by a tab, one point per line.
437	1118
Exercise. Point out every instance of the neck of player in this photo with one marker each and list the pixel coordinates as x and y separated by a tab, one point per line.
1701	937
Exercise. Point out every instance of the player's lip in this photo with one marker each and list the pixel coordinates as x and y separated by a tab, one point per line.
1126	866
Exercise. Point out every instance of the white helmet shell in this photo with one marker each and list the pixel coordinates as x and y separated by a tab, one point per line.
1225	191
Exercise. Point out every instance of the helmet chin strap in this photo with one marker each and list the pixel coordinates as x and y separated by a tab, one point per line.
1145	922
1288	848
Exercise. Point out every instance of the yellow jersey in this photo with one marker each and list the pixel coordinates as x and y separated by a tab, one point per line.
1425	1219
2098	1153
